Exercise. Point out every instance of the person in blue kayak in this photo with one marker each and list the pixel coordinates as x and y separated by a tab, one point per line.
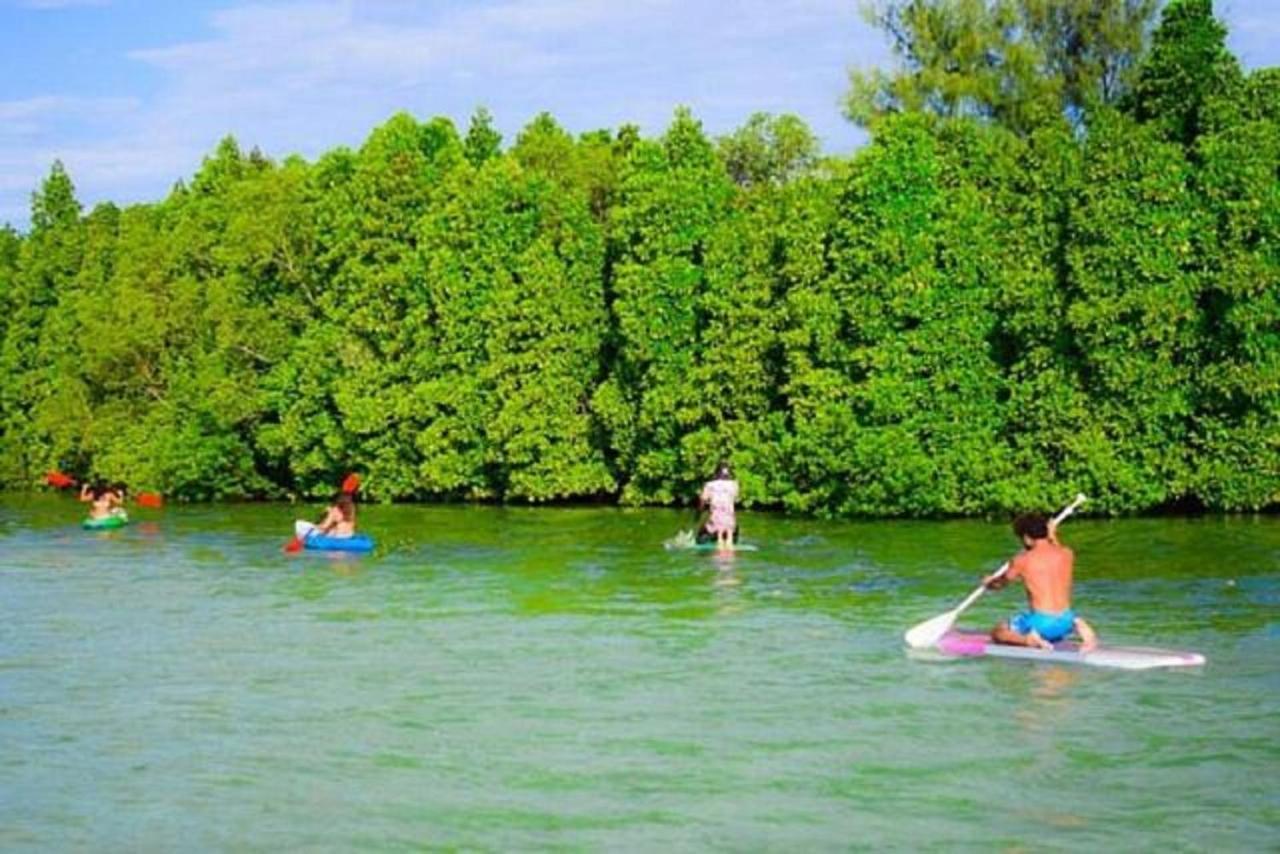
719	496
1045	567
339	519
339	522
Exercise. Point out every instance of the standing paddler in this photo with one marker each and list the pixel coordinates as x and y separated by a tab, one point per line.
719	496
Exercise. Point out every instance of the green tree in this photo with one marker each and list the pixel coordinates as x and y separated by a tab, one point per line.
1047	409
483	141
1133	315
10	250
1187	70
895	393
1019	63
673	194
47	265
512	265
1236	430
373	324
769	149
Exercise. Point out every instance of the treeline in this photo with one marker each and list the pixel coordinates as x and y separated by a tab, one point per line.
968	315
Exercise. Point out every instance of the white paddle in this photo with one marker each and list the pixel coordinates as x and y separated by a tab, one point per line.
929	632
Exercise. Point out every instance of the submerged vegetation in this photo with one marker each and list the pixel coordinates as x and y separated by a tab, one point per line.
1013	292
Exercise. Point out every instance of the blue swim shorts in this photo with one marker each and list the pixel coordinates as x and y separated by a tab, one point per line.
1051	627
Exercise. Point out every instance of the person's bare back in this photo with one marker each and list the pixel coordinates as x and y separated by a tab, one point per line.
1045	569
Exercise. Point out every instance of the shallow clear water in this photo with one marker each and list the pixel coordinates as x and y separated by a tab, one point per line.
512	679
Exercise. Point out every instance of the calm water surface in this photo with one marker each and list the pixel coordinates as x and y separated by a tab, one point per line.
513	679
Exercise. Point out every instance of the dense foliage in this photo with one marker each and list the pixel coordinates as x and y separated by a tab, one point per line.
983	309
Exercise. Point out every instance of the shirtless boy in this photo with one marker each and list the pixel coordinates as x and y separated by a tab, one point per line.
1045	568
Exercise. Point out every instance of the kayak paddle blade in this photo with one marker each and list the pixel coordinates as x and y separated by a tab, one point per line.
928	633
58	480
293	546
150	499
351	484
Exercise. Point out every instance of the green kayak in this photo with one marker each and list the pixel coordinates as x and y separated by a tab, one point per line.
106	523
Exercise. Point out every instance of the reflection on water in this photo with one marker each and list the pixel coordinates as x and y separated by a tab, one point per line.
513	679
1052	681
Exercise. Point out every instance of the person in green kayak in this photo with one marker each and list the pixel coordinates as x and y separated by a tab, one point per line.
1045	567
719	495
103	500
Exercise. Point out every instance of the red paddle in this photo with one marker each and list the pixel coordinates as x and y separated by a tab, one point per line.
350	484
58	480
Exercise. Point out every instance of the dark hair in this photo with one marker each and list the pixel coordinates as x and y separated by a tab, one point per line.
346	506
723	471
1032	525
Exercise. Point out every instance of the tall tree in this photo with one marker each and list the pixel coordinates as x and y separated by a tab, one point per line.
673	194
483	141
1187	72
512	264
897	411
1236	428
374	309
1133	314
1018	63
769	150
47	265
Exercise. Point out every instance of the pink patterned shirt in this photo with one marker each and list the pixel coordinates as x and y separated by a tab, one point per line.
721	495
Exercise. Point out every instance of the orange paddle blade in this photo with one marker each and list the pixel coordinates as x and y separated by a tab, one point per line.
150	499
59	480
351	484
293	546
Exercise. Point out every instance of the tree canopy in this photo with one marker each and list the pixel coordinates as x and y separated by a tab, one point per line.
1055	267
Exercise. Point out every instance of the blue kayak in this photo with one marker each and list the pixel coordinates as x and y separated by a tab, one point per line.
357	543
305	531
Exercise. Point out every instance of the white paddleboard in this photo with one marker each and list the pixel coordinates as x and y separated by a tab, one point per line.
962	644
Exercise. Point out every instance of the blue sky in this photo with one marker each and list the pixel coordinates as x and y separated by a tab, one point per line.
132	94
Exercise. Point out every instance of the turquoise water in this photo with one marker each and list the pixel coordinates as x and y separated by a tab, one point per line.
513	678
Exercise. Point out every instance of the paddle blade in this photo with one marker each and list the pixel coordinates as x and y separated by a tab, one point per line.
293	546
58	480
928	633
150	499
351	484
682	540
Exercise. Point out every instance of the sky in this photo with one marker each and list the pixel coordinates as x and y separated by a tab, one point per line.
131	95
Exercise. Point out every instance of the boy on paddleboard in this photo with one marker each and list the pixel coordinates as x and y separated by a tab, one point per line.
1045	568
